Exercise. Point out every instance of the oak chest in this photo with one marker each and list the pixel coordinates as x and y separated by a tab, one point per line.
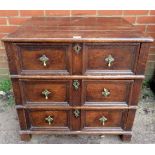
77	75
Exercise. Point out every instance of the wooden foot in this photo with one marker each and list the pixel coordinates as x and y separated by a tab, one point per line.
126	137
25	137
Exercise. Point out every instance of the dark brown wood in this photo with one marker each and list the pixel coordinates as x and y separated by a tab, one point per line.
76	121
59	91
48	106
136	90
124	55
85	77
114	118
76	74
13	60
65	29
119	91
143	55
22	119
75	94
130	120
16	91
25	137
126	137
26	57
81	132
60	119
77	59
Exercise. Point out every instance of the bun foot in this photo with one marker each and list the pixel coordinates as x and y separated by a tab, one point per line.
126	137
25	137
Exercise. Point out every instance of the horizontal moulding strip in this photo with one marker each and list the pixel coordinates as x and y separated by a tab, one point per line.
84	77
68	132
82	107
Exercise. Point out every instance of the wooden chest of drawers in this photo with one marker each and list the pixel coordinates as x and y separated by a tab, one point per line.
77	75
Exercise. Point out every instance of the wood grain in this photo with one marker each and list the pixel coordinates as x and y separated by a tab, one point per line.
56	38
119	91
91	29
124	56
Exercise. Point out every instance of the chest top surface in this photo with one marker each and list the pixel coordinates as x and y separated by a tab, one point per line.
77	29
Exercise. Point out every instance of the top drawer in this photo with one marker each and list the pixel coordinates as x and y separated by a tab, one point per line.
110	58
73	59
41	58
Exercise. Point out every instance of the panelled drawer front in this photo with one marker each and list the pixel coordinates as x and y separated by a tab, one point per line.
110	58
107	91
45	58
45	91
56	119
104	118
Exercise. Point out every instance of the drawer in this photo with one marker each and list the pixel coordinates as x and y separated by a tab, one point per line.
110	58
106	91
44	58
45	91
56	119
103	118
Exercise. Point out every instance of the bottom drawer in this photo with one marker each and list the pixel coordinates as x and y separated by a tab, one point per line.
59	119
104	118
56	119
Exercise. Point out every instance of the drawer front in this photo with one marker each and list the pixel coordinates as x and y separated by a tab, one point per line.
107	91
104	118
56	119
110	58
41	58
45	91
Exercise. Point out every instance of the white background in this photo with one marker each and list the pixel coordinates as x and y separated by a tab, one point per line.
77	4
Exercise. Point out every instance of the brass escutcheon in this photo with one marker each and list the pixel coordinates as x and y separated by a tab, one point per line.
49	120
109	60
46	93
105	92
76	84
44	59
76	113
77	48
103	119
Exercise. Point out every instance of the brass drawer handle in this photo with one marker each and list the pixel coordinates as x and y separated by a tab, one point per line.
77	48
76	113
109	60
46	93
76	84
49	120
103	119
44	59
105	92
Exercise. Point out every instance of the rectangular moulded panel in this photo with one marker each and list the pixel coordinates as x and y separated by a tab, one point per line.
101	92
49	119
45	91
114	58
104	119
44	58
